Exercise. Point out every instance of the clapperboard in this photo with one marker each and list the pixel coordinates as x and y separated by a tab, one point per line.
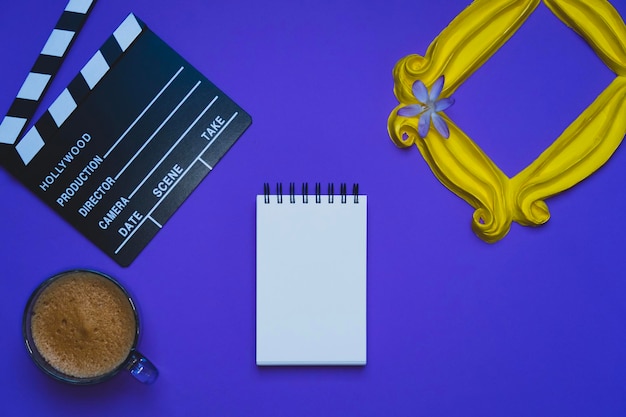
126	142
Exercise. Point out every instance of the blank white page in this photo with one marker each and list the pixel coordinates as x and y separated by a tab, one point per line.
311	261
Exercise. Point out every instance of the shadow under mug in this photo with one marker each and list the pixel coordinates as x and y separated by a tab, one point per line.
67	318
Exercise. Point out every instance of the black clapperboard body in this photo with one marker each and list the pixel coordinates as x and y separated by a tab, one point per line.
126	142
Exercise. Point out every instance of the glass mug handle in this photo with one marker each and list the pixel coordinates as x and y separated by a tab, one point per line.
141	368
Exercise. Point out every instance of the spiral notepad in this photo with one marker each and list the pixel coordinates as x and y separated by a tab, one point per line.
311	277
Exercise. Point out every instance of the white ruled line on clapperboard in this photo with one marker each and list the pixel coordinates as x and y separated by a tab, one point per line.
142	123
158	164
182	175
158	129
169	82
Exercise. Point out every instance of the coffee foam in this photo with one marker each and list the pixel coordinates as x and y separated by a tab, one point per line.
83	325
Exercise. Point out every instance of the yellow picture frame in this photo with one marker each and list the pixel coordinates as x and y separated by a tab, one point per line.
583	147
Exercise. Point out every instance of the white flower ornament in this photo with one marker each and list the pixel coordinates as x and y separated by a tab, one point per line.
429	108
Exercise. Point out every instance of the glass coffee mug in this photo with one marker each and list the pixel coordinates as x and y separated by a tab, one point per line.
82	327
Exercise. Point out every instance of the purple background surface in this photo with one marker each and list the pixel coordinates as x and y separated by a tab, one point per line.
534	325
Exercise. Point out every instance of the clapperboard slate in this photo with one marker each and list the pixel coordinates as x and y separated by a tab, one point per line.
126	142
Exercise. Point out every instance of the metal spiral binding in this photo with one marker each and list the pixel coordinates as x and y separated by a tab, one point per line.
305	192
343	193
266	192
279	193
